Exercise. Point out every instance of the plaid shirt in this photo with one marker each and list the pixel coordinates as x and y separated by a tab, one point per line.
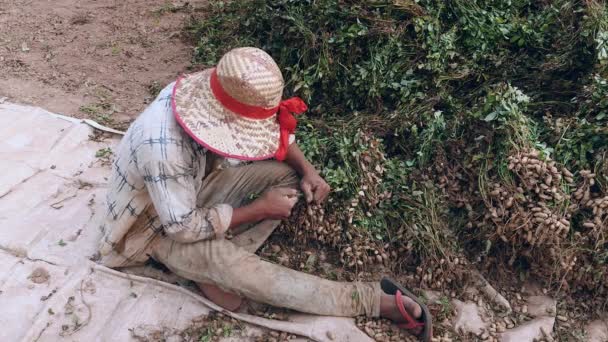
158	164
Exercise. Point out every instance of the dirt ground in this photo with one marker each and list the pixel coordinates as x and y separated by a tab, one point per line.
91	58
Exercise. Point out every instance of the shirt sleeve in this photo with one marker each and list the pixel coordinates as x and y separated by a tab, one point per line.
171	186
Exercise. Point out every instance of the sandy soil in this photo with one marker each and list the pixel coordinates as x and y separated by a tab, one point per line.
91	58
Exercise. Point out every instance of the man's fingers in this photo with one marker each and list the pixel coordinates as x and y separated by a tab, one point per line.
320	196
293	201
288	215
317	193
321	193
307	189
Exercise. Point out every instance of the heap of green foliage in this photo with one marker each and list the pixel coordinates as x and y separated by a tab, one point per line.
447	86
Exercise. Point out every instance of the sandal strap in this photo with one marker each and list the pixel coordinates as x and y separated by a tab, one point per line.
411	322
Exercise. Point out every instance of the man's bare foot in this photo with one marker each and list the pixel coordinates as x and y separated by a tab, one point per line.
227	300
388	309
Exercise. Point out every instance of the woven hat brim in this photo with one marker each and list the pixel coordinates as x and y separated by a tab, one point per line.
218	129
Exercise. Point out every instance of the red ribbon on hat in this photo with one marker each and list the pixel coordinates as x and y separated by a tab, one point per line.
286	109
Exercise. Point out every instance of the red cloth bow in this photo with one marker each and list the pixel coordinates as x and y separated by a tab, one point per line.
287	122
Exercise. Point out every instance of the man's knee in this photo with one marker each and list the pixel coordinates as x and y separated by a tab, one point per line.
284	175
278	173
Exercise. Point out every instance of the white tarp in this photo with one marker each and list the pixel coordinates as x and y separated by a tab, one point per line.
51	184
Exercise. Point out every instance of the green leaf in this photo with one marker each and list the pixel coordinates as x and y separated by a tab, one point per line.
491	117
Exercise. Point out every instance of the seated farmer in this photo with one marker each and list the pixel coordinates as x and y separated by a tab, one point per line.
177	192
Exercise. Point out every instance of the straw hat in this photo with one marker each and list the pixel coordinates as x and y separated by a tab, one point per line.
232	109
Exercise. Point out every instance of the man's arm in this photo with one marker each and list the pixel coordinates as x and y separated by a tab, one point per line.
296	159
172	192
314	186
246	214
276	203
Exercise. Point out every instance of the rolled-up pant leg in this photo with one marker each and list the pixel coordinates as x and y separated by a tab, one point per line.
232	265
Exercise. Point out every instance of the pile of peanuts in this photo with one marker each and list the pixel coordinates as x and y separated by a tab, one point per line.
359	254
535	213
275	336
356	249
541	176
315	226
598	205
592	238
530	210
442	275
383	330
335	226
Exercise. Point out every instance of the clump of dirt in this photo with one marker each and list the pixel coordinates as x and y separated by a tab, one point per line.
39	275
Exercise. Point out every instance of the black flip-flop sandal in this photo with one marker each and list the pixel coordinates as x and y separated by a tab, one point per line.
391	287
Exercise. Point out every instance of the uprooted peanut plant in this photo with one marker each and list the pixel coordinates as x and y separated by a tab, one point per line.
475	128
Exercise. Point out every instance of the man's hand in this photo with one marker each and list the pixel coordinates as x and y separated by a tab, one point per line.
314	187
277	203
